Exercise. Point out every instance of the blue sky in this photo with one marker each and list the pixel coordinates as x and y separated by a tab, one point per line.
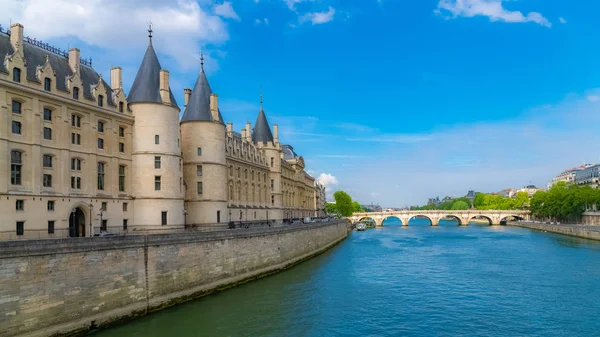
393	101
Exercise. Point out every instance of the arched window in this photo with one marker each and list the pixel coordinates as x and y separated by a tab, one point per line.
47	84
16	165
75	93
100	100
17	74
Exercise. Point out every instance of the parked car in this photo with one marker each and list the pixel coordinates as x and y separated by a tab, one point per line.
103	233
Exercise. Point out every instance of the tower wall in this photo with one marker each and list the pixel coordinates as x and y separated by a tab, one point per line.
273	150
151	120
209	207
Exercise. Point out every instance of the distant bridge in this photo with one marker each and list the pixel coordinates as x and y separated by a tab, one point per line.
463	217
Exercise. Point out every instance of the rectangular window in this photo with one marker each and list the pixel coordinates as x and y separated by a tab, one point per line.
272	184
75	138
78	139
121	106
122	147
121	178
20	205
100	100
100	126
156	139
47	180
47	161
100	143
199	187
15	167
76	121
47	84
16	107
75	164
121	131
272	200
104	225
163	218
199	170
20	227
101	176
157	183
47	114
272	161
218	216
51	227
124	207
16	127
50	205
48	133
199	151
103	206
76	183
157	162
75	93
17	74
124	224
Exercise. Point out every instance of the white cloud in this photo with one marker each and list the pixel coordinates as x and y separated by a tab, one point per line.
317	18
562	20
292	3
226	10
264	21
180	27
493	9
593	98
327	179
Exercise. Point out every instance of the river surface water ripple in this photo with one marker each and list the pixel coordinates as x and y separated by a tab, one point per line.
409	281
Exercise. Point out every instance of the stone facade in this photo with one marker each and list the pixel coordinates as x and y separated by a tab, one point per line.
81	156
56	287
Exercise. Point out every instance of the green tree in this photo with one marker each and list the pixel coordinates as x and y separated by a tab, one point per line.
460	205
521	199
330	208
356	207
343	203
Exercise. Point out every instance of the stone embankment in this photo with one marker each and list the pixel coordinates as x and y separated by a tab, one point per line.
580	231
67	286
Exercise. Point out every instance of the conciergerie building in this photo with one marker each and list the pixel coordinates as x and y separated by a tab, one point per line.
82	156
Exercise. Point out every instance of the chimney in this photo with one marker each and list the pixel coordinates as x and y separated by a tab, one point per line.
74	60
187	92
164	86
275	133
248	131
243	134
16	37
229	129
116	77
214	107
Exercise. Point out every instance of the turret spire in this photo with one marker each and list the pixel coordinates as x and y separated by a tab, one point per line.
150	33
261	98
201	60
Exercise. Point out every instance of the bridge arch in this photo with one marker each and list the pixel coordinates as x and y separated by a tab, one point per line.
451	217
392	217
508	218
483	217
421	216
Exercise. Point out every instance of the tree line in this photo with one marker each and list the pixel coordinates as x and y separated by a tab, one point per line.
482	201
344	205
564	202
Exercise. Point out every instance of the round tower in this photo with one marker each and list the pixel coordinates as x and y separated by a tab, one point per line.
204	163
156	154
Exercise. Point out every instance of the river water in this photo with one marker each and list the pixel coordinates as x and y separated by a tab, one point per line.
409	281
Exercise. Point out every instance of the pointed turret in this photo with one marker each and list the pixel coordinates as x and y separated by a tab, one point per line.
262	131
146	86
198	106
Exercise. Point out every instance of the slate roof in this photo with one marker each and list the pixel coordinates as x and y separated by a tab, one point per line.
146	86
262	130
288	152
198	107
36	57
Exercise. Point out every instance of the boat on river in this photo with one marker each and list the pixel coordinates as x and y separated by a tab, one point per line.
361	227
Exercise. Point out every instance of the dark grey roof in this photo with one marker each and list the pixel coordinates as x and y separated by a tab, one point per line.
146	86
36	57
261	131
288	152
198	107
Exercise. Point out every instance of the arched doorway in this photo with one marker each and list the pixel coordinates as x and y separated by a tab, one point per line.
77	223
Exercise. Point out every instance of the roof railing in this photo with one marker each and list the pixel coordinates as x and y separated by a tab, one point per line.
48	47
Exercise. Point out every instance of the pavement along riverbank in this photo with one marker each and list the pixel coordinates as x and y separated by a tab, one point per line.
580	231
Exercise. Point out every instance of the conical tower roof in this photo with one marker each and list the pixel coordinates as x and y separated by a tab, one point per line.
198	106
262	130
146	86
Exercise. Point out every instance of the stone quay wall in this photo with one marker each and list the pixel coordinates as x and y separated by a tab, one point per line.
67	286
580	231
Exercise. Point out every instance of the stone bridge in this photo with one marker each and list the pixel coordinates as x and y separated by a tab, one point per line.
463	217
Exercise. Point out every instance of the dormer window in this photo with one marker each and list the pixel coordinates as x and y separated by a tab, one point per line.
100	100
121	106
17	74
47	84
75	93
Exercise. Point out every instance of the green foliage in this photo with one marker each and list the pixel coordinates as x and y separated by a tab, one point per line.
564	202
330	208
343	203
460	205
356	207
455	204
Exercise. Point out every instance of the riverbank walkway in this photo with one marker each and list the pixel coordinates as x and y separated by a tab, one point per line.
578	230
